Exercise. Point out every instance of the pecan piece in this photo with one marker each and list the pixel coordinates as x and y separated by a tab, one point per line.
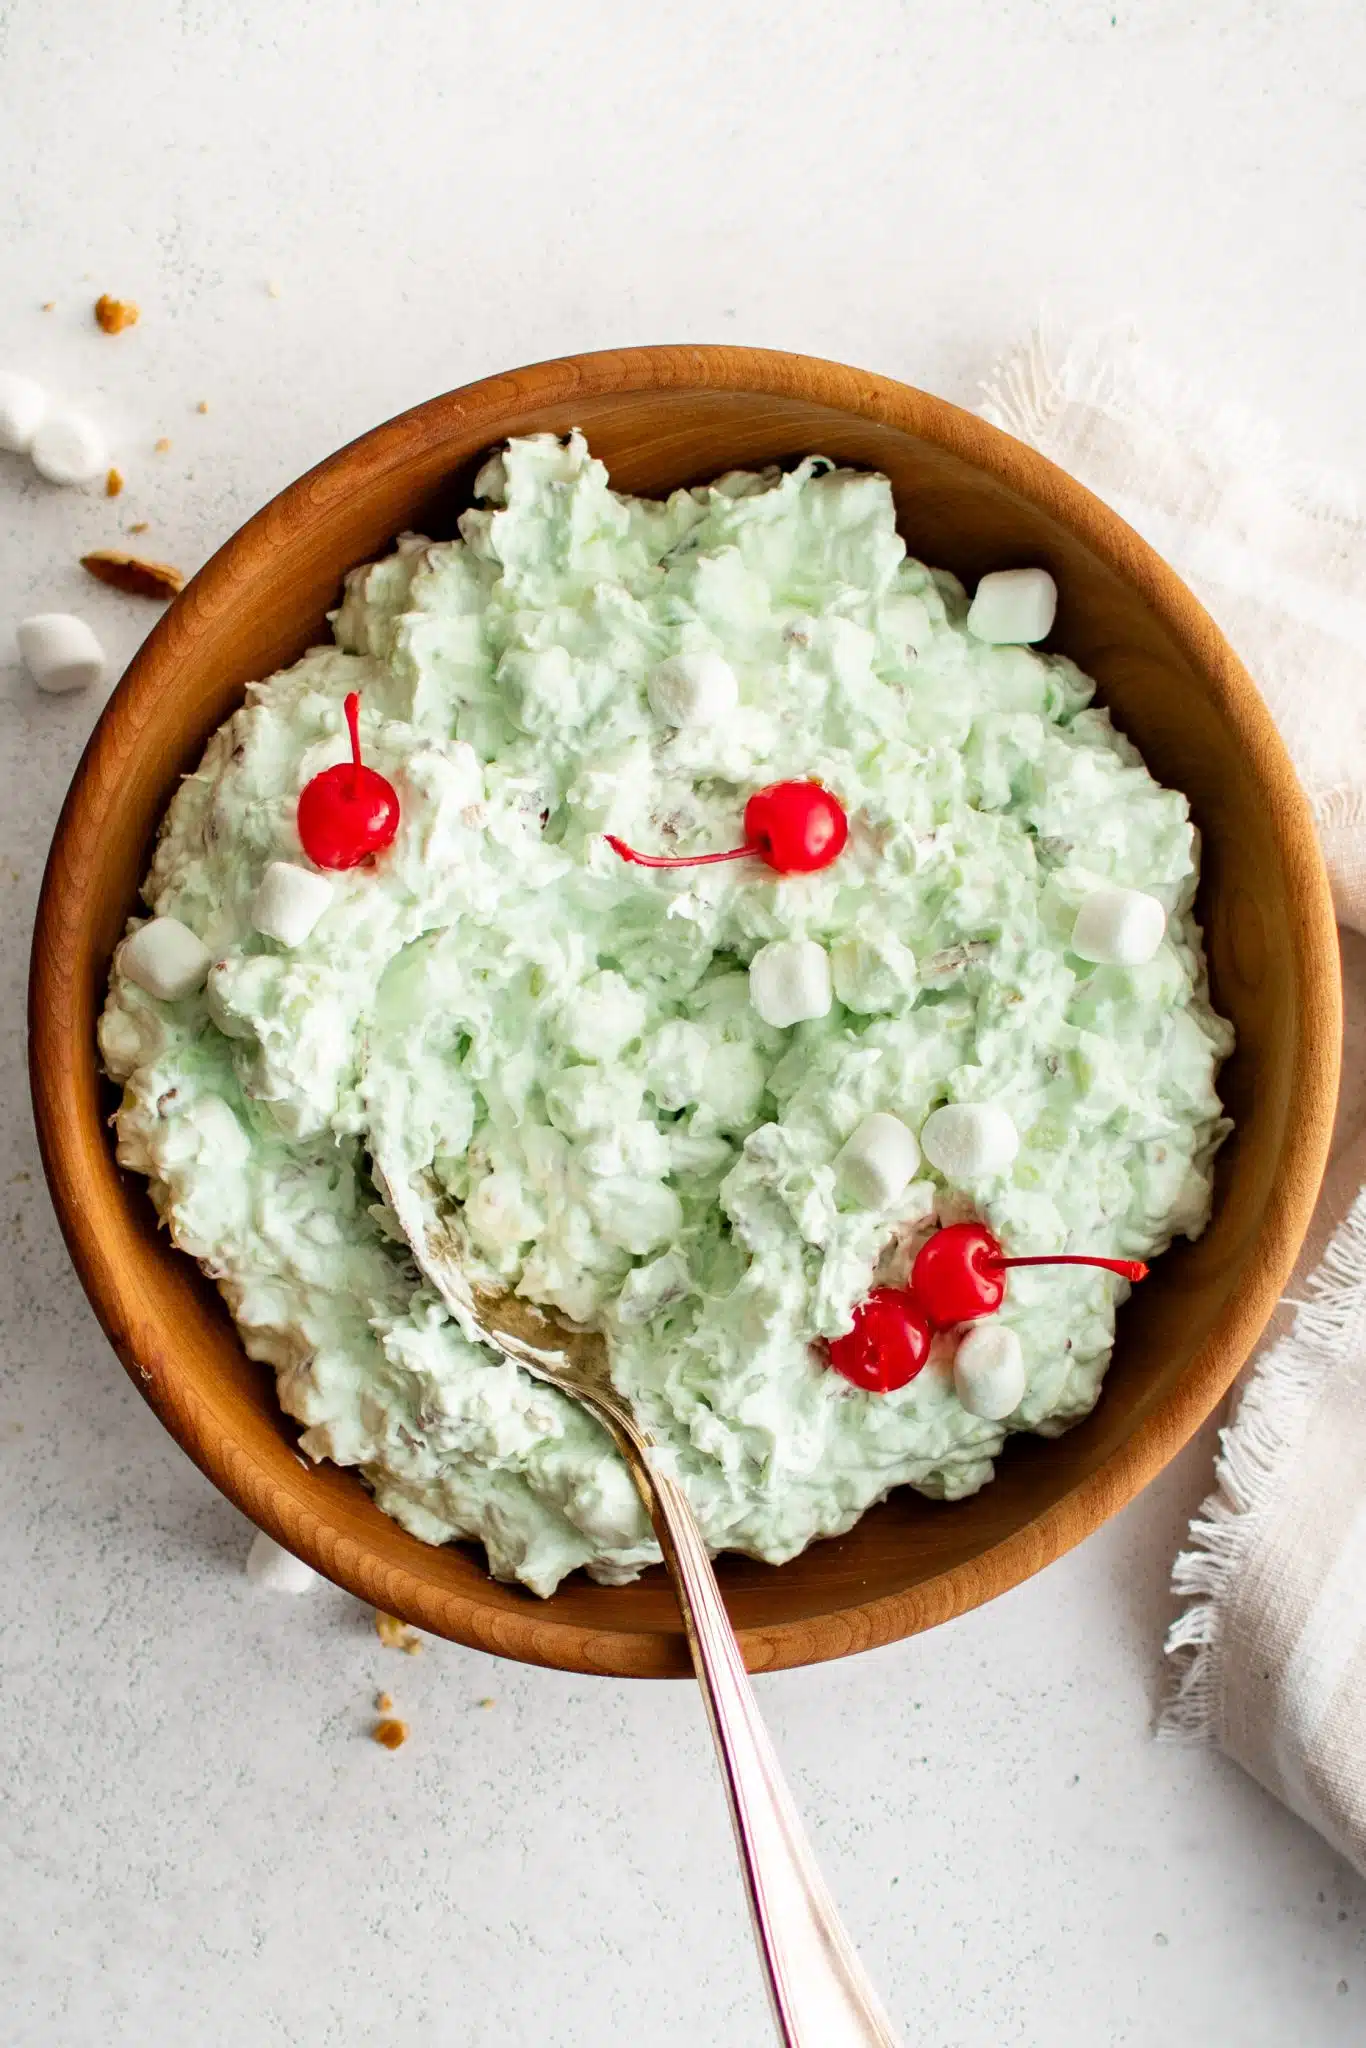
132	575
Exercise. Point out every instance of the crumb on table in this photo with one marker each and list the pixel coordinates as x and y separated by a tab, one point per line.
488	1703
48	305
140	526
113	483
390	1734
396	1635
113	315
203	405
383	1703
162	445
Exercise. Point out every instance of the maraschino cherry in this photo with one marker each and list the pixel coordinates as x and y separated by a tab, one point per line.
959	1273
797	827
348	812
888	1344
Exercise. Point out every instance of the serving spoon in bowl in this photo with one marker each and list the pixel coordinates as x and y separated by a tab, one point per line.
821	1995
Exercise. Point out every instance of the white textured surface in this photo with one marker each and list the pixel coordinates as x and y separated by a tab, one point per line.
197	1842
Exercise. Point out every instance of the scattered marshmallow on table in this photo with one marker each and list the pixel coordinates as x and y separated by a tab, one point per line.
60	652
789	981
278	1570
1013	607
68	448
969	1140
289	902
23	405
988	1370
1118	927
878	1162
166	959
693	689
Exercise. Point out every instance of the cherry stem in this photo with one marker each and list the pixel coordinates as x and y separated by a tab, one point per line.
683	860
1127	1269
352	710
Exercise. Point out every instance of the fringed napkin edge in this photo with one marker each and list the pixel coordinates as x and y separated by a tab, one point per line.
1256	1447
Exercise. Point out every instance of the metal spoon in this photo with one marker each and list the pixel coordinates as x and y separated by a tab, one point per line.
821	1995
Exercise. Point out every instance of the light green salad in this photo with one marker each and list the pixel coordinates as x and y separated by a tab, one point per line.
568	1044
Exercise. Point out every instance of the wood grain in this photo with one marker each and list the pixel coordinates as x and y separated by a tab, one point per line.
968	498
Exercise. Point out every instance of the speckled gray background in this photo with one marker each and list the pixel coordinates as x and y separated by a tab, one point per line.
198	1845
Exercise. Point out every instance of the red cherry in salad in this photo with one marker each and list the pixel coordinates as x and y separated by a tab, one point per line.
797	827
348	812
960	1273
888	1344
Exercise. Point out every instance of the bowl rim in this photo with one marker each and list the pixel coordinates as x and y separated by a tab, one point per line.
56	1049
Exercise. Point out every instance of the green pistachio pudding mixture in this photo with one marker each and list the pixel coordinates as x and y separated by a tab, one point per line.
568	1045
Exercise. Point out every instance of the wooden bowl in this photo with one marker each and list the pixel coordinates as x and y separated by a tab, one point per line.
969	499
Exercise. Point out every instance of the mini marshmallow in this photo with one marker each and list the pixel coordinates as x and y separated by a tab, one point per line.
970	1140
988	1370
60	652
1118	927
276	1569
68	448
22	407
878	1162
289	902
165	958
789	981
693	689
1013	607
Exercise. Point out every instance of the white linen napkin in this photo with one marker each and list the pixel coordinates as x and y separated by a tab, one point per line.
1270	1649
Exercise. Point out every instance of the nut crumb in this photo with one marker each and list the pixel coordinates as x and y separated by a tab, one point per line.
203	405
48	305
396	1635
113	315
390	1734
140	526
383	1703
273	288
133	576
162	446
488	1703
113	483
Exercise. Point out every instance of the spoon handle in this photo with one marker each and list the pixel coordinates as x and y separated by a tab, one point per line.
821	1995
